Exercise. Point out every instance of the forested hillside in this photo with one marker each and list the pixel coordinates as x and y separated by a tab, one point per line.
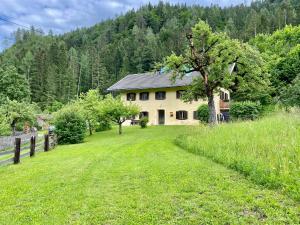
58	68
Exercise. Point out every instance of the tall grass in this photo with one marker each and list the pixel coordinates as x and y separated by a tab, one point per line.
267	151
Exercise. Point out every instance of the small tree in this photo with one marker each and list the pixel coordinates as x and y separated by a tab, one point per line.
213	56
89	104
16	112
203	113
117	111
70	125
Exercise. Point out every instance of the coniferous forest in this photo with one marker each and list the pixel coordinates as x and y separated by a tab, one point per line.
56	68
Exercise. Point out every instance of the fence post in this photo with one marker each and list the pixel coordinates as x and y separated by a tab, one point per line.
32	146
46	146
17	150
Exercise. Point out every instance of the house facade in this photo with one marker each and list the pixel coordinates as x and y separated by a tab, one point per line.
160	100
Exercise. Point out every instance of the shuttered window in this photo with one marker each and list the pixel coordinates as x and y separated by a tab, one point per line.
144	96
160	95
182	115
224	96
131	96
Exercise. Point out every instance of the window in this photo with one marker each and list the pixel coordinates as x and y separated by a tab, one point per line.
144	114
179	94
131	96
144	96
160	95
195	115
181	115
224	96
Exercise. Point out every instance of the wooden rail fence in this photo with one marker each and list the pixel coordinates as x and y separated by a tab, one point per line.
24	148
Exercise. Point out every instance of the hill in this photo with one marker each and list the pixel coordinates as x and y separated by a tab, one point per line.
58	68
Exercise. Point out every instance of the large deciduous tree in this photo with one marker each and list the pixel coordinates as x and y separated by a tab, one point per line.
214	56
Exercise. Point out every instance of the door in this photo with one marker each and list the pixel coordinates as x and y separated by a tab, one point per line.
161	117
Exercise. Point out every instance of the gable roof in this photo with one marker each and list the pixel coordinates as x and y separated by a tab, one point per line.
152	80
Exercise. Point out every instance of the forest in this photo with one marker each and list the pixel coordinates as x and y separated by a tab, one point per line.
50	69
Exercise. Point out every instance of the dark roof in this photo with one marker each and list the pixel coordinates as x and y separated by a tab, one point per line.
151	80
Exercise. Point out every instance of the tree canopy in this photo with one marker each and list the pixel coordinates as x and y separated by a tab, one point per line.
222	62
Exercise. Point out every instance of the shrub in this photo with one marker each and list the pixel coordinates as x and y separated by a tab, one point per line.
245	110
203	113
103	125
143	122
70	126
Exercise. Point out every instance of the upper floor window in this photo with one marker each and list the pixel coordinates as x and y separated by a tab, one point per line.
131	96
179	94
144	114
160	95
182	115
224	96
144	96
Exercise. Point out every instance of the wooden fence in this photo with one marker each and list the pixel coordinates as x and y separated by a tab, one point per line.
24	147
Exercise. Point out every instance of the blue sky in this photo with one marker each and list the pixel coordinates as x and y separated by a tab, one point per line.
64	15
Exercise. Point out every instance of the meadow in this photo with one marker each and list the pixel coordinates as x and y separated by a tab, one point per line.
140	177
267	150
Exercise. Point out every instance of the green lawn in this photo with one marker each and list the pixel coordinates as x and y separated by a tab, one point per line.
141	177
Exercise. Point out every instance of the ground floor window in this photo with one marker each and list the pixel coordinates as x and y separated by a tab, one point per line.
144	114
195	115
181	115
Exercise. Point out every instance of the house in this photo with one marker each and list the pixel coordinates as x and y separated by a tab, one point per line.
159	98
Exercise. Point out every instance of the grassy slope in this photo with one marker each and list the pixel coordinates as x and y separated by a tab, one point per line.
139	178
268	150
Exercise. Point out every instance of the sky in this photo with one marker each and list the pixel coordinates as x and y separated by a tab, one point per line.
65	15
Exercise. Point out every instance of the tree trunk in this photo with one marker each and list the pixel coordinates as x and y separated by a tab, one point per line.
212	110
13	128
120	128
90	128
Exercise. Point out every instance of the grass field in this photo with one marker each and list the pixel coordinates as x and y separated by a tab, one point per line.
267	151
141	177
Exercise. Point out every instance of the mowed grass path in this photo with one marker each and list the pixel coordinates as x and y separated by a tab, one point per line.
141	177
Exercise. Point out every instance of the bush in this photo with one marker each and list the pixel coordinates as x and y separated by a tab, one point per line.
70	127
103	125
143	122
245	110
203	113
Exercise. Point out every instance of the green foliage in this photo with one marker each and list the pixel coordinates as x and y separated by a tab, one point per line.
89	105
144	122
117	111
13	85
213	55
103	125
260	150
290	95
203	113
245	110
70	126
18	112
54	107
4	126
281	51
